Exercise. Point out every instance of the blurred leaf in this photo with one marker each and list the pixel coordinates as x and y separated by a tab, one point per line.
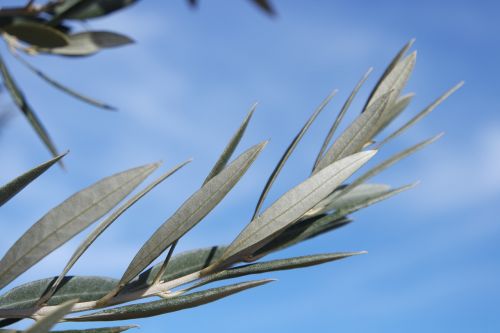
16	185
83	10
36	33
289	152
169	304
291	207
89	42
422	114
340	116
117	329
44	324
356	135
103	226
63	88
21	102
180	265
191	212
389	69
85	288
274	265
67	220
230	148
265	5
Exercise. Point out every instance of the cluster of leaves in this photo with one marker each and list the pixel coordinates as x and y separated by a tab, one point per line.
49	29
321	203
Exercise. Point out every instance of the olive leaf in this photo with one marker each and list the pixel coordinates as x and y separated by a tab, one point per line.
394	111
395	61
89	42
291	207
35	33
422	114
340	116
44	324
87	242
21	102
356	135
16	185
169	304
265	5
62	87
85	288
191	212
83	10
274	265
67	220
117	329
289	152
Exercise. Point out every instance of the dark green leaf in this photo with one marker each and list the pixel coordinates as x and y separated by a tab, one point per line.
265	5
35	33
191	212
169	304
68	219
274	265
85	288
289	152
16	185
117	329
21	102
83	10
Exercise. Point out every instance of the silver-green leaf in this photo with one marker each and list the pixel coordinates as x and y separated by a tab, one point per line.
169	304
68	219
291	207
44	324
16	185
191	212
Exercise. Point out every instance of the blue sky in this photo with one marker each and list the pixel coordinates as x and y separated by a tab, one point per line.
185	86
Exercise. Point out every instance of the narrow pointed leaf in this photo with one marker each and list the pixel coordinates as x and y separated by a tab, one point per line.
389	162
422	114
389	69
89	42
104	225
394	111
45	324
191	212
64	88
339	199
68	219
231	147
180	265
274	265
16	185
340	116
85	288
299	232
88	9
21	102
356	135
170	304
289	152
396	79
291	207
